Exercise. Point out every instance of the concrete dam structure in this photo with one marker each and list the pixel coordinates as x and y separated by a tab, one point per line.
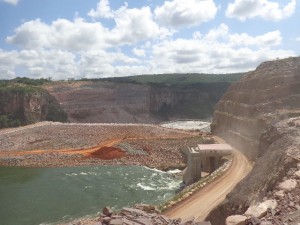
203	158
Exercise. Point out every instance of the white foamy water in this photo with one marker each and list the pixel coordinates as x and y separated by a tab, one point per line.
78	191
188	125
174	171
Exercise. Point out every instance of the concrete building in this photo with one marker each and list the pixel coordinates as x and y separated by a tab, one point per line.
203	158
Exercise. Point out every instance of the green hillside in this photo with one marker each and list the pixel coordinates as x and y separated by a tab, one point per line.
178	80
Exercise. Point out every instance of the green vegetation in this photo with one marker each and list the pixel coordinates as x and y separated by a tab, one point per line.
178	80
14	103
55	113
25	81
9	121
22	85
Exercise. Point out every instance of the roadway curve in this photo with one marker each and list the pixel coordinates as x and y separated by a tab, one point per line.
206	199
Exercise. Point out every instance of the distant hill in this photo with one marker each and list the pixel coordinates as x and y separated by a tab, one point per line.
178	80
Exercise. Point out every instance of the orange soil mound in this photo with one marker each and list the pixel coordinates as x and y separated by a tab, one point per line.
108	153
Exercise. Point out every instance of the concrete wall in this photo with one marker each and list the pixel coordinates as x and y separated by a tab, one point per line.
198	163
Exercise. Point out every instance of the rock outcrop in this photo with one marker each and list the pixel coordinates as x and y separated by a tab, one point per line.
103	101
260	115
261	98
139	215
30	106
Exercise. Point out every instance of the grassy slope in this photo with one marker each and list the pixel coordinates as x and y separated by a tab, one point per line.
177	80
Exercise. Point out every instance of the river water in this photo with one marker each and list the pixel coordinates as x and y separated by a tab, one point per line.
188	125
30	196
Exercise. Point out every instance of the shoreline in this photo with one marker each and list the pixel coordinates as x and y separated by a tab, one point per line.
30	147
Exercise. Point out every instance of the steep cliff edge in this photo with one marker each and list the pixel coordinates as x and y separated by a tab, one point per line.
259	115
110	101
264	96
21	105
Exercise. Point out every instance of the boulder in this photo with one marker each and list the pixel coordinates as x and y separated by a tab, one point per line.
116	222
260	210
297	174
188	221
236	220
107	211
133	212
288	185
147	208
279	194
266	223
254	221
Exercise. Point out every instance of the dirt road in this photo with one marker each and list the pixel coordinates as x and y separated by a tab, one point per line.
202	202
85	152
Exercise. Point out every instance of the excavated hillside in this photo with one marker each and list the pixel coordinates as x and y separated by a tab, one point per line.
260	115
127	102
21	105
264	96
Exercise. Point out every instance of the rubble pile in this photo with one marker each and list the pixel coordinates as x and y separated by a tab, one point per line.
135	143
280	206
141	214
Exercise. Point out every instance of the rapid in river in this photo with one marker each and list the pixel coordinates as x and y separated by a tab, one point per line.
50	195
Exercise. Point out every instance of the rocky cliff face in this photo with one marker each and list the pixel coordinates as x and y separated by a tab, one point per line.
138	103
258	115
264	96
30	107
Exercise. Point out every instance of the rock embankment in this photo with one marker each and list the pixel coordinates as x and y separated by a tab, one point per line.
56	144
49	135
280	206
139	215
259	115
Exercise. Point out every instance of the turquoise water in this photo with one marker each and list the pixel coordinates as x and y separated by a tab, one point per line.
30	196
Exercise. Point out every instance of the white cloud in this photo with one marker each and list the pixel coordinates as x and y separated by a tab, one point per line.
268	10
12	2
197	35
298	39
37	64
133	25
218	51
80	48
62	64
102	11
220	32
138	52
61	34
268	39
178	13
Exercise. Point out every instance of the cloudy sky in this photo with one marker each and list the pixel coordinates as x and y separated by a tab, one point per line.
104	38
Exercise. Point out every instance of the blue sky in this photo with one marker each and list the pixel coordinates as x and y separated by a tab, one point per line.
102	38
